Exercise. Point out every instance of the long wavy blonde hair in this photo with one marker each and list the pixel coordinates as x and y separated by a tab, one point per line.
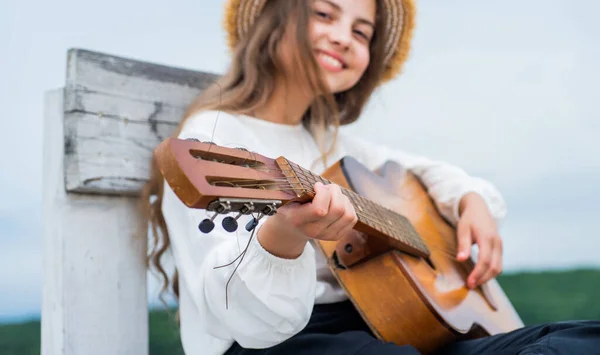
249	83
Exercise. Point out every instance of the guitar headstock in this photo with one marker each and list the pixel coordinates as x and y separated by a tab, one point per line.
224	180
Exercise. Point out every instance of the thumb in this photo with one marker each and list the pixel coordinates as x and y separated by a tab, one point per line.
465	240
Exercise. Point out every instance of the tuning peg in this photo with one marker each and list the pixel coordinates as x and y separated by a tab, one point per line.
207	225
230	224
251	224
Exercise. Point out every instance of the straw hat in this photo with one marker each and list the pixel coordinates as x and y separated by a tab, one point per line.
399	20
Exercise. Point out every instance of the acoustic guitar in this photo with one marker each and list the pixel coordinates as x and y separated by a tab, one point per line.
403	277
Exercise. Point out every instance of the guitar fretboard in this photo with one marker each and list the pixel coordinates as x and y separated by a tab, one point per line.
381	219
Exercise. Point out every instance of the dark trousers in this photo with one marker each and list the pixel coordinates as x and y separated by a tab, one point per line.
338	329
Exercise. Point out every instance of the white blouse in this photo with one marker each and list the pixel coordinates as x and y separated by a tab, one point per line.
269	299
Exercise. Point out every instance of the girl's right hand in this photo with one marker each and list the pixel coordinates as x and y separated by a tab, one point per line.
329	216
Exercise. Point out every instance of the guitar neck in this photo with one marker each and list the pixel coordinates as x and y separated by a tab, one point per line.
373	219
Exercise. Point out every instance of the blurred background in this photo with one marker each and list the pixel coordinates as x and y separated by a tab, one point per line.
506	90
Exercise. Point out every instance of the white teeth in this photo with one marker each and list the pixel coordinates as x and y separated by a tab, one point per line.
329	59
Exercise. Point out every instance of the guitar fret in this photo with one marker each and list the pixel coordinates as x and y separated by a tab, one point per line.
306	180
368	207
376	221
374	218
368	212
364	204
380	227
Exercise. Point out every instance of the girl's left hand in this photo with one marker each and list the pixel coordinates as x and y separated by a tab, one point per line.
476	225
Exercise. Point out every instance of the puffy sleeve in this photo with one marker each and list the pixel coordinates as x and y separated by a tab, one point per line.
266	301
445	183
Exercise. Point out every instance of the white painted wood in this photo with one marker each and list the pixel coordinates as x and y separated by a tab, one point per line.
119	107
116	111
107	155
94	291
134	79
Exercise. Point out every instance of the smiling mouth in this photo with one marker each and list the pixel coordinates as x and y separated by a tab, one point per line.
330	62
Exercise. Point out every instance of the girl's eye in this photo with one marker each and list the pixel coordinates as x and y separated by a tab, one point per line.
361	34
322	14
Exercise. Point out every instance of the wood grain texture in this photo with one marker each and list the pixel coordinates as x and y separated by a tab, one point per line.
94	286
229	177
116	110
407	299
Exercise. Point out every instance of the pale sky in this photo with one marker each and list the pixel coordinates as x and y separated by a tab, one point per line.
506	90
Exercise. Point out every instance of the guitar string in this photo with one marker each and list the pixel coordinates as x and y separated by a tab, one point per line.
366	215
286	186
444	254
253	156
241	258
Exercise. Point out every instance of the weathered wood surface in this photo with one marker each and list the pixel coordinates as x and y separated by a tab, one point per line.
116	110
94	289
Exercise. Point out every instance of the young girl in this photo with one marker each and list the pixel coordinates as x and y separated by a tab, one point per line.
300	69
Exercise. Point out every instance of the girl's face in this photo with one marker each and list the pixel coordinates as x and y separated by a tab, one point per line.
340	32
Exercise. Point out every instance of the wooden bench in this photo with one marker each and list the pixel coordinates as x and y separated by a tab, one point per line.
99	134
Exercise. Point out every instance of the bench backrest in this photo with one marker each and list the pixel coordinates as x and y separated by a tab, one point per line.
99	134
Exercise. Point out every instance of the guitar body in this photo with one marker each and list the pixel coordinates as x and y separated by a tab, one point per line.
406	299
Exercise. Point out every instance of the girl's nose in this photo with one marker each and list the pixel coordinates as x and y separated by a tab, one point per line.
340	34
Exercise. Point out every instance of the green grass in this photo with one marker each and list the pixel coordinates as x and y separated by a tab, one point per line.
538	297
554	296
164	333
22	339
